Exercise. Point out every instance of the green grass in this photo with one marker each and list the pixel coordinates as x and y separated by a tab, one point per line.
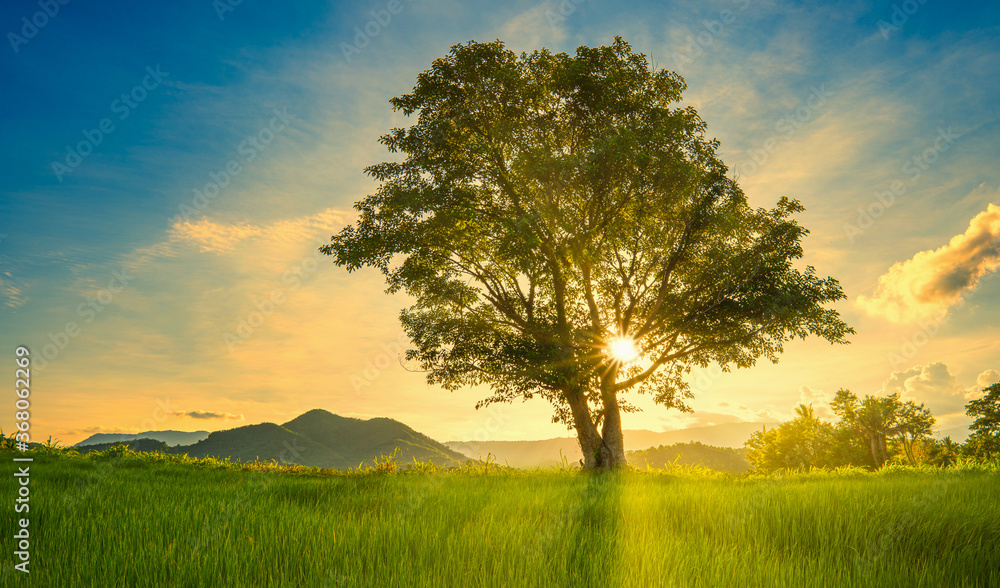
137	521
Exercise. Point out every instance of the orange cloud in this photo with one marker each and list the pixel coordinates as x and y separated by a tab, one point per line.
211	236
928	284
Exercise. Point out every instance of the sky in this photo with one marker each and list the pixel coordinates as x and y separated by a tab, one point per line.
170	169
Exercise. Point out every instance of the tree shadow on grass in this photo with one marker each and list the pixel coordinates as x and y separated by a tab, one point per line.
594	542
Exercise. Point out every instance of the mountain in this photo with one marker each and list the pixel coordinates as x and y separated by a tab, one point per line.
317	438
263	442
168	437
359	440
133	444
526	454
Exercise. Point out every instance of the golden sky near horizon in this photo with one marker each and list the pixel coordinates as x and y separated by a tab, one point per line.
227	315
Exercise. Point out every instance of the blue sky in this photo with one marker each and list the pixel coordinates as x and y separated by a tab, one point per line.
882	118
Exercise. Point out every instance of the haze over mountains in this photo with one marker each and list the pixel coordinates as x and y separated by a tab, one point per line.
168	437
526	454
322	439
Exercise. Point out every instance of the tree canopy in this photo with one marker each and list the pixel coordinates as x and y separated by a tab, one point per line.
546	205
870	432
985	412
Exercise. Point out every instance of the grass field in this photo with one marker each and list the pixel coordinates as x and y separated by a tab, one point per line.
133	521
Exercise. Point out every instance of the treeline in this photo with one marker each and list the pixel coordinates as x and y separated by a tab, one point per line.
722	459
872	432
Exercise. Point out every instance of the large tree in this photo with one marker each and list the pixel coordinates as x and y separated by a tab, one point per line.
548	209
876	420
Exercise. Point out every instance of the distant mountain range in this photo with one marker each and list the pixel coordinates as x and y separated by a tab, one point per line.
317	438
526	454
168	437
322	439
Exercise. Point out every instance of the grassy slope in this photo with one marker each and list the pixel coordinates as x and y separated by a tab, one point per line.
138	522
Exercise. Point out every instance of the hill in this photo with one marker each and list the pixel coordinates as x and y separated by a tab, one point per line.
358	441
133	444
722	459
264	442
168	437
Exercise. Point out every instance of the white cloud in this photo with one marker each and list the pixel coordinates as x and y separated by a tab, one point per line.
934	385
541	26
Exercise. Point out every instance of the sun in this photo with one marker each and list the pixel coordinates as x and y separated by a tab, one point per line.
623	349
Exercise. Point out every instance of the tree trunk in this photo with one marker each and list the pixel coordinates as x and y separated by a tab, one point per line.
604	450
873	443
612	454
586	430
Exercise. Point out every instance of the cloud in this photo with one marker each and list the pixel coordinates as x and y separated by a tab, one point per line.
818	399
216	237
535	28
207	414
213	236
983	381
932	384
728	414
708	419
93	430
935	386
13	294
928	284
